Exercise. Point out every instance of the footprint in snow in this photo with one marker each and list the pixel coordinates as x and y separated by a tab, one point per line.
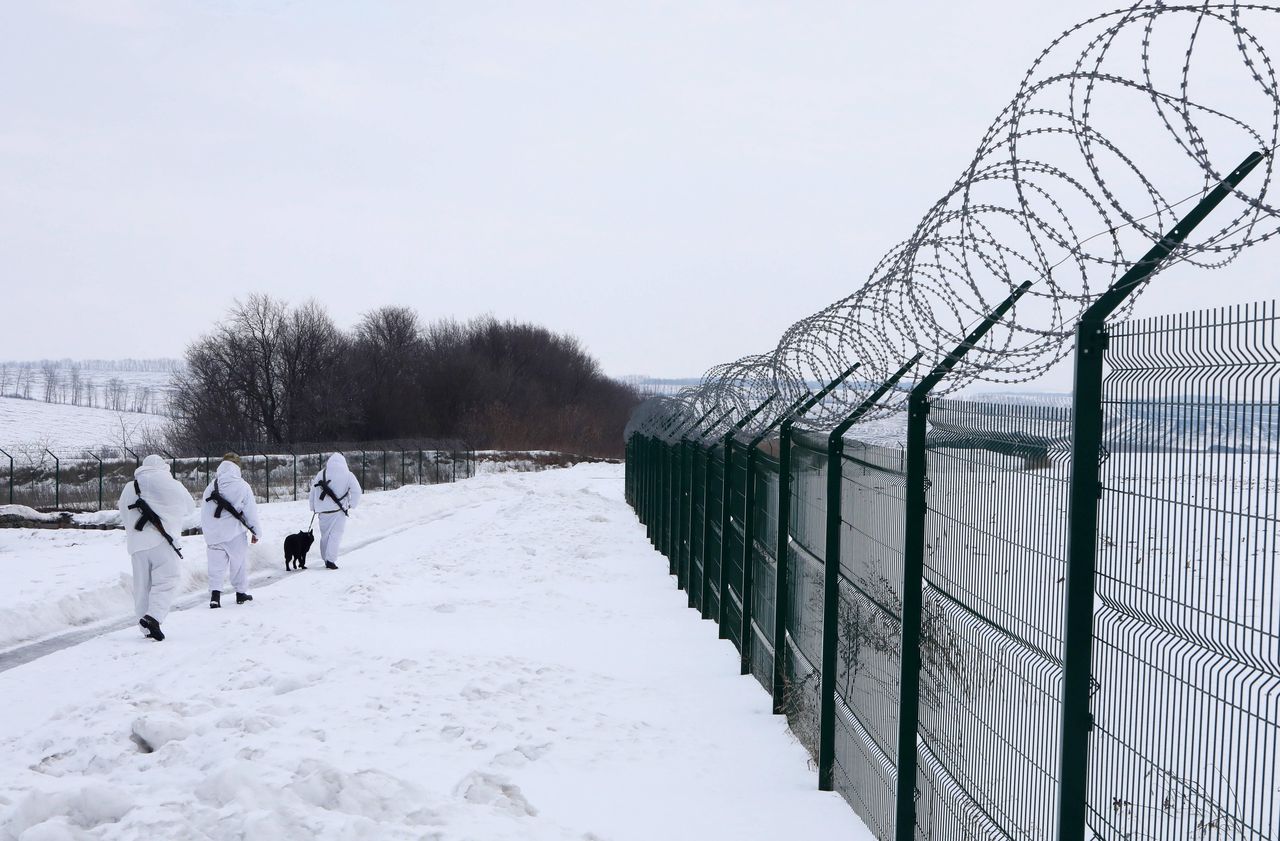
496	791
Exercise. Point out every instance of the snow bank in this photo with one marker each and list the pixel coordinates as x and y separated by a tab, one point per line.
510	660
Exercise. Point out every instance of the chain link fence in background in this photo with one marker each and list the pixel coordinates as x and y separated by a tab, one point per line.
81	480
808	569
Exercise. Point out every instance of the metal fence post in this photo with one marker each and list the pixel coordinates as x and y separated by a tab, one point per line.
1084	491
748	536
697	484
100	477
266	475
6	455
726	496
783	551
673	524
726	506
748	526
830	614
57	479
917	485
683	506
706	528
295	474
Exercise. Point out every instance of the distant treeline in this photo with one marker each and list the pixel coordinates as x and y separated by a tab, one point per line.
75	383
154	366
280	374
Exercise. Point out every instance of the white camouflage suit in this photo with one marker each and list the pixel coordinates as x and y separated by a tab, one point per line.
155	563
332	521
226	539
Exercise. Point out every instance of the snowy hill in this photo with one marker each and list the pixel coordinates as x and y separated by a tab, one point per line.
504	658
61	426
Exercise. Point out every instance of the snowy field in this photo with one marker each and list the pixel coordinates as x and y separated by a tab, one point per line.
502	658
63	427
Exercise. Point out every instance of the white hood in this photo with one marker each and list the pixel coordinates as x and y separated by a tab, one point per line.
166	496
235	490
228	468
337	465
343	482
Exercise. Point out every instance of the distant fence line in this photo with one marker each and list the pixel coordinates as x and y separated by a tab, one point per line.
922	606
70	479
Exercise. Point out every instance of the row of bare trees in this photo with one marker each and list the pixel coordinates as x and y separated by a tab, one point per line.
70	382
281	374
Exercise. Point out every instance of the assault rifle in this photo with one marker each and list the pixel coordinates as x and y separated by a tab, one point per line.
147	514
222	504
326	490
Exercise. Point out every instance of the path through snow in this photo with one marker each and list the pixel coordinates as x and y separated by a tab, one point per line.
519	667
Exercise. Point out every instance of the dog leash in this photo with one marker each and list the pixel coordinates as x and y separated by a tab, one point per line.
313	521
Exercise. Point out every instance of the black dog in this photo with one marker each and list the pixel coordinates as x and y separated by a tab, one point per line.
296	547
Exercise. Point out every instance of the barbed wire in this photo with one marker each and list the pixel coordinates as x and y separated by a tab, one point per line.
1060	158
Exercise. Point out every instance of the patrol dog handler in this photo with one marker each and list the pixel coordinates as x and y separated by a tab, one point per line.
229	518
334	493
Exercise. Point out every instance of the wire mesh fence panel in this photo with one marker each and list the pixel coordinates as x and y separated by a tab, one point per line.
808	545
764	573
697	528
803	646
195	473
90	480
734	543
69	480
715	493
991	637
1187	628
869	641
1177	718
685	547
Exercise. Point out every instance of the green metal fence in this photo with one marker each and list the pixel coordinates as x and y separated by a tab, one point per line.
1173	728
60	479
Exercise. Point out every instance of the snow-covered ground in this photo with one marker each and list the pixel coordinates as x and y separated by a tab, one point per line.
502	658
66	428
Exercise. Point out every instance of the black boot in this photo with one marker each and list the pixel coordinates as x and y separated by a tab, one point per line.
330	565
152	627
215	598
241	598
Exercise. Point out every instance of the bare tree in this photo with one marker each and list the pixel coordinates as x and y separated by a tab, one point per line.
266	373
117	393
74	384
386	355
141	399
51	381
23	383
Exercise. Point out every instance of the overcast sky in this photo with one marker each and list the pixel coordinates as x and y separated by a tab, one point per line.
674	183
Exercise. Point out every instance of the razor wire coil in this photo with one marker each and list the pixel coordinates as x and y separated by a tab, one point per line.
1051	165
